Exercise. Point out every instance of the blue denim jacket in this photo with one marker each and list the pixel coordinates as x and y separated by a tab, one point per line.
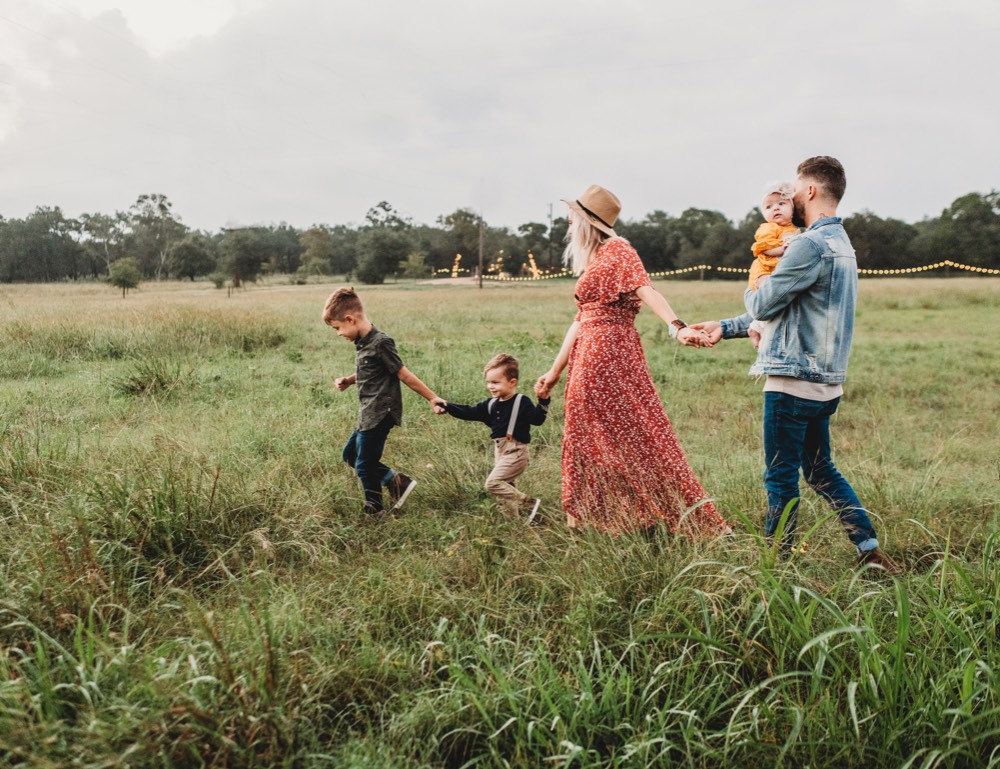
809	300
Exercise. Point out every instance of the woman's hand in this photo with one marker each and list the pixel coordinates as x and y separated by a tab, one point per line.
545	383
711	327
693	337
654	300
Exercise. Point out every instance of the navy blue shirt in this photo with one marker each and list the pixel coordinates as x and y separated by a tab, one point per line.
499	416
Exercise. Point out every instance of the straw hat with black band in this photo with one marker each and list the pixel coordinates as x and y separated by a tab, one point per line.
599	207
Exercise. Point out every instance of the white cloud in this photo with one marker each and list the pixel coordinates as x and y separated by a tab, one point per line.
309	111
158	26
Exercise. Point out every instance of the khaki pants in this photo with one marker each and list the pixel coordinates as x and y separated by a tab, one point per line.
510	459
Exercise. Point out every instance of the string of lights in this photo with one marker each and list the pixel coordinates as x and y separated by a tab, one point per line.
706	267
935	266
523	279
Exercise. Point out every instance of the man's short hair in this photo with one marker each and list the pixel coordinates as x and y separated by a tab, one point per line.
341	303
507	362
828	172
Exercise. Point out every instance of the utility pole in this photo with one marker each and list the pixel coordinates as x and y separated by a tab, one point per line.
482	227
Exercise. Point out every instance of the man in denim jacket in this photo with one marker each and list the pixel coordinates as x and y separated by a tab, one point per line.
803	353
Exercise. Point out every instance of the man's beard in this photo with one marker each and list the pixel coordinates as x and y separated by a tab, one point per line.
798	215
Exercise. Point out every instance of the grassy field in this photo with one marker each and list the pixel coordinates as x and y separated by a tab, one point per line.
186	579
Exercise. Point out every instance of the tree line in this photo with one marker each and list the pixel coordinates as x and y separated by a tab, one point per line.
150	241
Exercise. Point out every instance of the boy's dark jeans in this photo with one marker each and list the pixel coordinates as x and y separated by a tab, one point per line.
797	435
363	452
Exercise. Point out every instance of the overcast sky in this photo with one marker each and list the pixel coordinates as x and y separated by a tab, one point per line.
313	111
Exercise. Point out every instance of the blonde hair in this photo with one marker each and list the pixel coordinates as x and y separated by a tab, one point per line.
342	302
582	242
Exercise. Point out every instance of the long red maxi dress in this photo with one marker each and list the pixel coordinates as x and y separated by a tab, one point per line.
622	467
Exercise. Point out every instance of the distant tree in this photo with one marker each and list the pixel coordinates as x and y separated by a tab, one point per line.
191	257
880	244
691	231
384	216
381	251
103	237
435	244
739	255
415	265
502	242
652	239
41	247
286	249
317	251
13	259
242	253
67	255
153	227
535	238
724	245
462	237
967	232
383	243
125	274
345	248
461	230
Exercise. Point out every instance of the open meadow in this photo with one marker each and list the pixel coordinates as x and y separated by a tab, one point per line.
187	581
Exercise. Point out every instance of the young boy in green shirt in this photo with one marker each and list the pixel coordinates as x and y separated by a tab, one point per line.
378	372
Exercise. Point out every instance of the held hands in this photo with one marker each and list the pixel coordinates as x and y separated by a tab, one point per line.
691	336
438	405
711	328
545	383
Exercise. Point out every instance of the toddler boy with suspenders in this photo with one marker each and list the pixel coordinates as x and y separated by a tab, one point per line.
509	416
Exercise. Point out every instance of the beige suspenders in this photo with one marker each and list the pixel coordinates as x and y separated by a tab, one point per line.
513	414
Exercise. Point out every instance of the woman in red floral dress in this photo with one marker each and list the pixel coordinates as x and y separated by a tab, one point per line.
622	467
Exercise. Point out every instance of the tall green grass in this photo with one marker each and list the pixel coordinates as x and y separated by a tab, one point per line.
187	580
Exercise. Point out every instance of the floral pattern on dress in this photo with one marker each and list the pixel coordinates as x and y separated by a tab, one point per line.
622	466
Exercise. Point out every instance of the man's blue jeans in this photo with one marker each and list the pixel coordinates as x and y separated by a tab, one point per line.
797	435
363	452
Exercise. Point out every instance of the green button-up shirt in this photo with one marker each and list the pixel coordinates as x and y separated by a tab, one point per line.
377	366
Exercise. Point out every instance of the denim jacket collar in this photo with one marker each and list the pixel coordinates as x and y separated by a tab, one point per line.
824	221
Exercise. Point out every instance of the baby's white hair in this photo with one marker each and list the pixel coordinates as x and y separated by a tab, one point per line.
785	189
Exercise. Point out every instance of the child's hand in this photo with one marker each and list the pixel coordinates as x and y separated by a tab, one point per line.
438	405
545	383
754	335
343	382
757	283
